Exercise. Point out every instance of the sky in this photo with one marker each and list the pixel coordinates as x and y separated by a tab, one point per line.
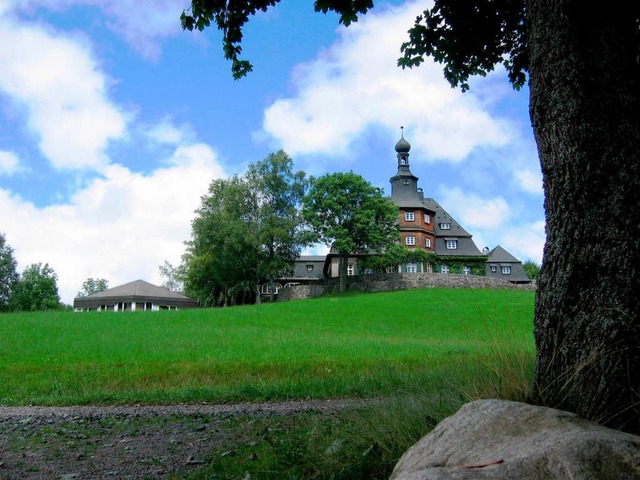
114	121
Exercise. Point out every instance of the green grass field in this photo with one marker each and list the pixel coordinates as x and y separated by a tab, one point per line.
338	346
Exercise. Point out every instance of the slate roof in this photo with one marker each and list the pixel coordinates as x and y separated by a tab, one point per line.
138	290
300	271
499	257
466	245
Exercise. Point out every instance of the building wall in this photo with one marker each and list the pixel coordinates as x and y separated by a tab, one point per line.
417	228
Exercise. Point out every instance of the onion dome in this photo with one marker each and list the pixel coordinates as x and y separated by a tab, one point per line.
403	146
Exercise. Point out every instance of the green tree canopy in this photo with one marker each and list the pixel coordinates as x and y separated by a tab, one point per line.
221	257
247	231
278	193
8	274
37	290
173	276
93	285
349	214
532	269
584	83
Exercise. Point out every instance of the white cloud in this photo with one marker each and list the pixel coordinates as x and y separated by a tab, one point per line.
526	241
141	23
9	163
355	85
57	82
120	227
166	133
161	18
530	181
473	211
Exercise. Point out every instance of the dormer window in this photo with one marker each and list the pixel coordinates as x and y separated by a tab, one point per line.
506	269
452	244
309	268
445	226
409	216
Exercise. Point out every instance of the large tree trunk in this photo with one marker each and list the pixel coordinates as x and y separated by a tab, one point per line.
342	270
585	109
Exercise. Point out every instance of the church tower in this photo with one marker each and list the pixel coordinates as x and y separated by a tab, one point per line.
415	218
404	185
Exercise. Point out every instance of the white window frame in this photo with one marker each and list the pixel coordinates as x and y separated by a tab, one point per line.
444	268
452	244
494	269
266	288
466	270
392	269
351	269
412	267
505	269
409	216
445	226
427	218
427	242
410	240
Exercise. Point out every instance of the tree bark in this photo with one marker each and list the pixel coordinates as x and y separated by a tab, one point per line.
342	270
585	110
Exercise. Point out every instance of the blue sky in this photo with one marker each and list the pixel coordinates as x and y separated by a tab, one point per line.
113	122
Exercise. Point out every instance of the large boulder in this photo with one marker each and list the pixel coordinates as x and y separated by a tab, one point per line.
495	439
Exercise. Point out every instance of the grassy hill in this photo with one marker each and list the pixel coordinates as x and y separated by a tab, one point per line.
337	346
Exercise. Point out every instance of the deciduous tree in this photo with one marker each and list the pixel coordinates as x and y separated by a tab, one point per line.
247	231
173	276
532	269
352	216
584	83
37	290
278	193
8	274
93	285
221	256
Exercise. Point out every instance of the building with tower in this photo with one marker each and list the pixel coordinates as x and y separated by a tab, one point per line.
426	225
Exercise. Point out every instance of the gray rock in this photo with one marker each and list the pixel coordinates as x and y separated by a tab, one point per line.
495	439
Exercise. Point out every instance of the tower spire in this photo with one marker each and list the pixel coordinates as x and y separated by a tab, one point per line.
402	149
404	184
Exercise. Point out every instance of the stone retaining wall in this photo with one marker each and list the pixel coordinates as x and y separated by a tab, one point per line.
299	292
383	282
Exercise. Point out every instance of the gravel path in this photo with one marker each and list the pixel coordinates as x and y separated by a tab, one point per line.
127	442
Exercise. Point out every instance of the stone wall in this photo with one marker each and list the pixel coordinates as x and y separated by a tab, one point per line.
299	292
383	282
